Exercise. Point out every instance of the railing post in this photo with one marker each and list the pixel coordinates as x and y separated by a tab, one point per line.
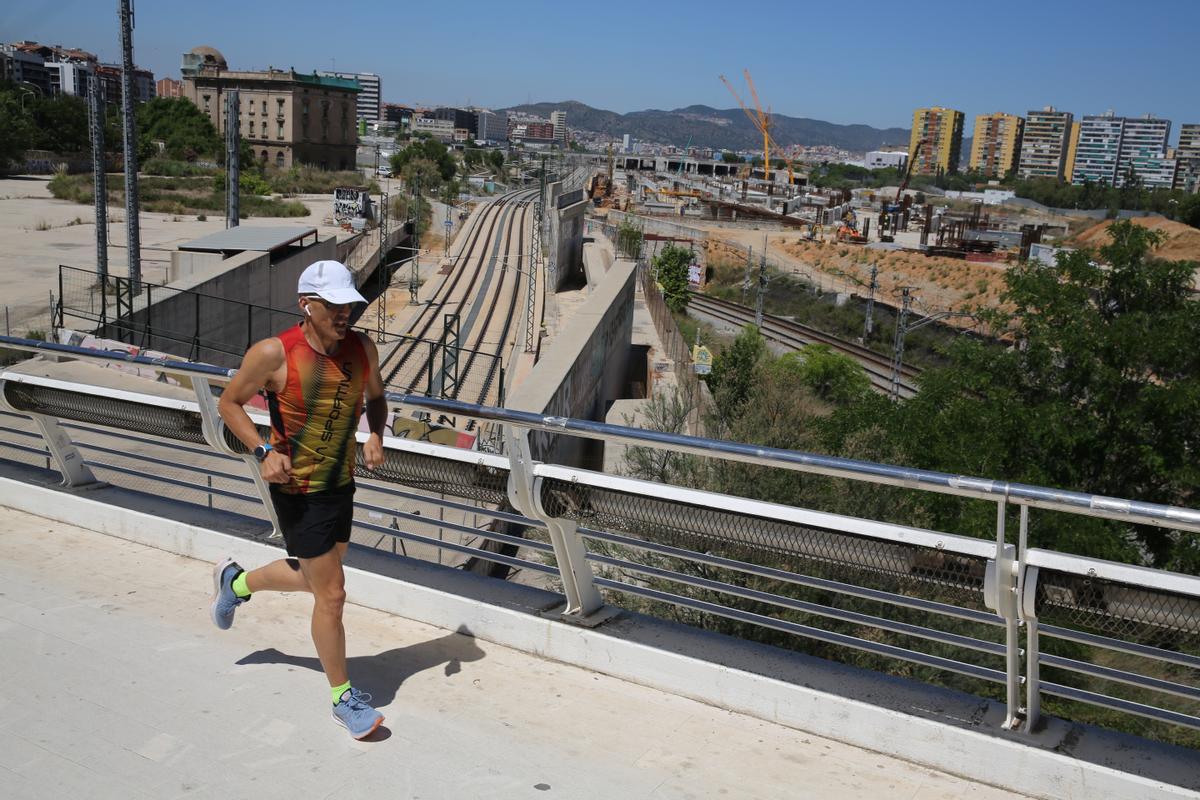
75	472
148	333
214	433
1000	595
66	456
1027	581
583	598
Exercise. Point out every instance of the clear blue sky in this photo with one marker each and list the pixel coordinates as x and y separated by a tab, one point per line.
854	62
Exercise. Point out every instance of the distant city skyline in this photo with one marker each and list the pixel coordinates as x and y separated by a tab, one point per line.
872	63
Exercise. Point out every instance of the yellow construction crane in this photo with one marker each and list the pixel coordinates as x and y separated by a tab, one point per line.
762	122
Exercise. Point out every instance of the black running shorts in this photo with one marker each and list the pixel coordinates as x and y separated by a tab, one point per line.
313	523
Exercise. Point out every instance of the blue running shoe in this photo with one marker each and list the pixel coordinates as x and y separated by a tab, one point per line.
224	601
353	714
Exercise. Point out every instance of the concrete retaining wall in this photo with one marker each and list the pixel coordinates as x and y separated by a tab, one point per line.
195	317
584	368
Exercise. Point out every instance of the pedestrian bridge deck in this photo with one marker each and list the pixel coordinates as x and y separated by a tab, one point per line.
119	686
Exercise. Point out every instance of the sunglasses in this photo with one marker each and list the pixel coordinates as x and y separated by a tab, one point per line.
331	307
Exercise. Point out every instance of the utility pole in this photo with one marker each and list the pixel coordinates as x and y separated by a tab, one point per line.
898	342
535	261
381	270
99	186
233	161
869	322
762	286
746	277
415	278
134	245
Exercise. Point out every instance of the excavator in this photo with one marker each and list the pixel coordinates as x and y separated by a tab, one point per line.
848	231
896	205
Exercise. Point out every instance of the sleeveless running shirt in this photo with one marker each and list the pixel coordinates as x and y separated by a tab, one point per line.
314	418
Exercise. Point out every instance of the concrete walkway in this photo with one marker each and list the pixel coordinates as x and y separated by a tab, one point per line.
119	686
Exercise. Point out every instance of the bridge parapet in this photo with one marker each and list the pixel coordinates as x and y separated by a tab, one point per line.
963	602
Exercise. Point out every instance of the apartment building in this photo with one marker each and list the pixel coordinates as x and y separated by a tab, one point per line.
561	135
996	144
1098	153
1187	157
936	143
1112	148
1045	144
287	117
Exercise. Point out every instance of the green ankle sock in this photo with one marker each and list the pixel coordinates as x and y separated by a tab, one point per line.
338	691
239	585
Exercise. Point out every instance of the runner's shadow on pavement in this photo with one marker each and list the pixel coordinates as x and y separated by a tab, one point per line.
382	674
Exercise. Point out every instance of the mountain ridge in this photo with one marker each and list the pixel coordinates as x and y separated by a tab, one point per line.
725	129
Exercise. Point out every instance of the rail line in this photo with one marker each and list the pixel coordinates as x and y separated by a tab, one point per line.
794	334
471	269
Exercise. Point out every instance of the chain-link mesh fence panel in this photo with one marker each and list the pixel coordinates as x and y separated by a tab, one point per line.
474	481
168	423
832	554
1118	610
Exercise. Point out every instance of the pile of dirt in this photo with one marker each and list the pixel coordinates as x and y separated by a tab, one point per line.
1182	241
937	283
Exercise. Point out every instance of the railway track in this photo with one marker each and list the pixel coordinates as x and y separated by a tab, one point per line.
482	286
796	335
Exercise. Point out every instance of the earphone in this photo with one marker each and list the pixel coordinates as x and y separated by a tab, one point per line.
308	311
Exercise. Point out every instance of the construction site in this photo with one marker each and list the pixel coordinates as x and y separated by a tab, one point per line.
945	253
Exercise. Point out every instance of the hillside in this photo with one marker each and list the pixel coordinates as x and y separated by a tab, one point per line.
1182	241
726	129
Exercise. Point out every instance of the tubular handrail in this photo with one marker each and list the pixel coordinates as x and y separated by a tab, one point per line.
559	500
1131	511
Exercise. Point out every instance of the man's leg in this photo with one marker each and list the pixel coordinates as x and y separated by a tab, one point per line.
283	575
327	582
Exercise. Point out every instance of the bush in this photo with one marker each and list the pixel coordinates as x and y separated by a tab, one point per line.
175	169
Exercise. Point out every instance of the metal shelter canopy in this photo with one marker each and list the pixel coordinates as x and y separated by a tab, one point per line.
245	237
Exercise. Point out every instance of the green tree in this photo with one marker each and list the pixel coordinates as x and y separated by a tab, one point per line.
1102	393
629	240
421	172
732	376
832	377
496	159
671	266
16	126
60	123
186	131
430	150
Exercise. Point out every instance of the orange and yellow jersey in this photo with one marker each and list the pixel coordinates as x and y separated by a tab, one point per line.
314	418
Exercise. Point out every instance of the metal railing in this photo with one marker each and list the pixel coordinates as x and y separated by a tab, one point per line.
948	603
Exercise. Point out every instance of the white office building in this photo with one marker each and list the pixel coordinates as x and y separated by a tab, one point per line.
879	159
369	106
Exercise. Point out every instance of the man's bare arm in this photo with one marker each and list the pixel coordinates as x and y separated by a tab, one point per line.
260	367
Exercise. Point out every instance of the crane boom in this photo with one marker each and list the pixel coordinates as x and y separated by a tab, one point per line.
764	125
760	119
753	120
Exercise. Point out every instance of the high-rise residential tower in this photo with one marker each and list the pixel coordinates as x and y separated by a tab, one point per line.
936	142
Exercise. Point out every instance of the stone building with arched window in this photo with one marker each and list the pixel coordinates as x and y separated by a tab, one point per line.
288	117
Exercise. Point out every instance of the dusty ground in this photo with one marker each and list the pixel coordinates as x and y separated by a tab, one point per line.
1182	243
938	283
40	232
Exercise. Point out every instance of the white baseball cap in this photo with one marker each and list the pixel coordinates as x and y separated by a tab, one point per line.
330	280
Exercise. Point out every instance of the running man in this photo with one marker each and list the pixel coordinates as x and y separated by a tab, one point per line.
316	376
